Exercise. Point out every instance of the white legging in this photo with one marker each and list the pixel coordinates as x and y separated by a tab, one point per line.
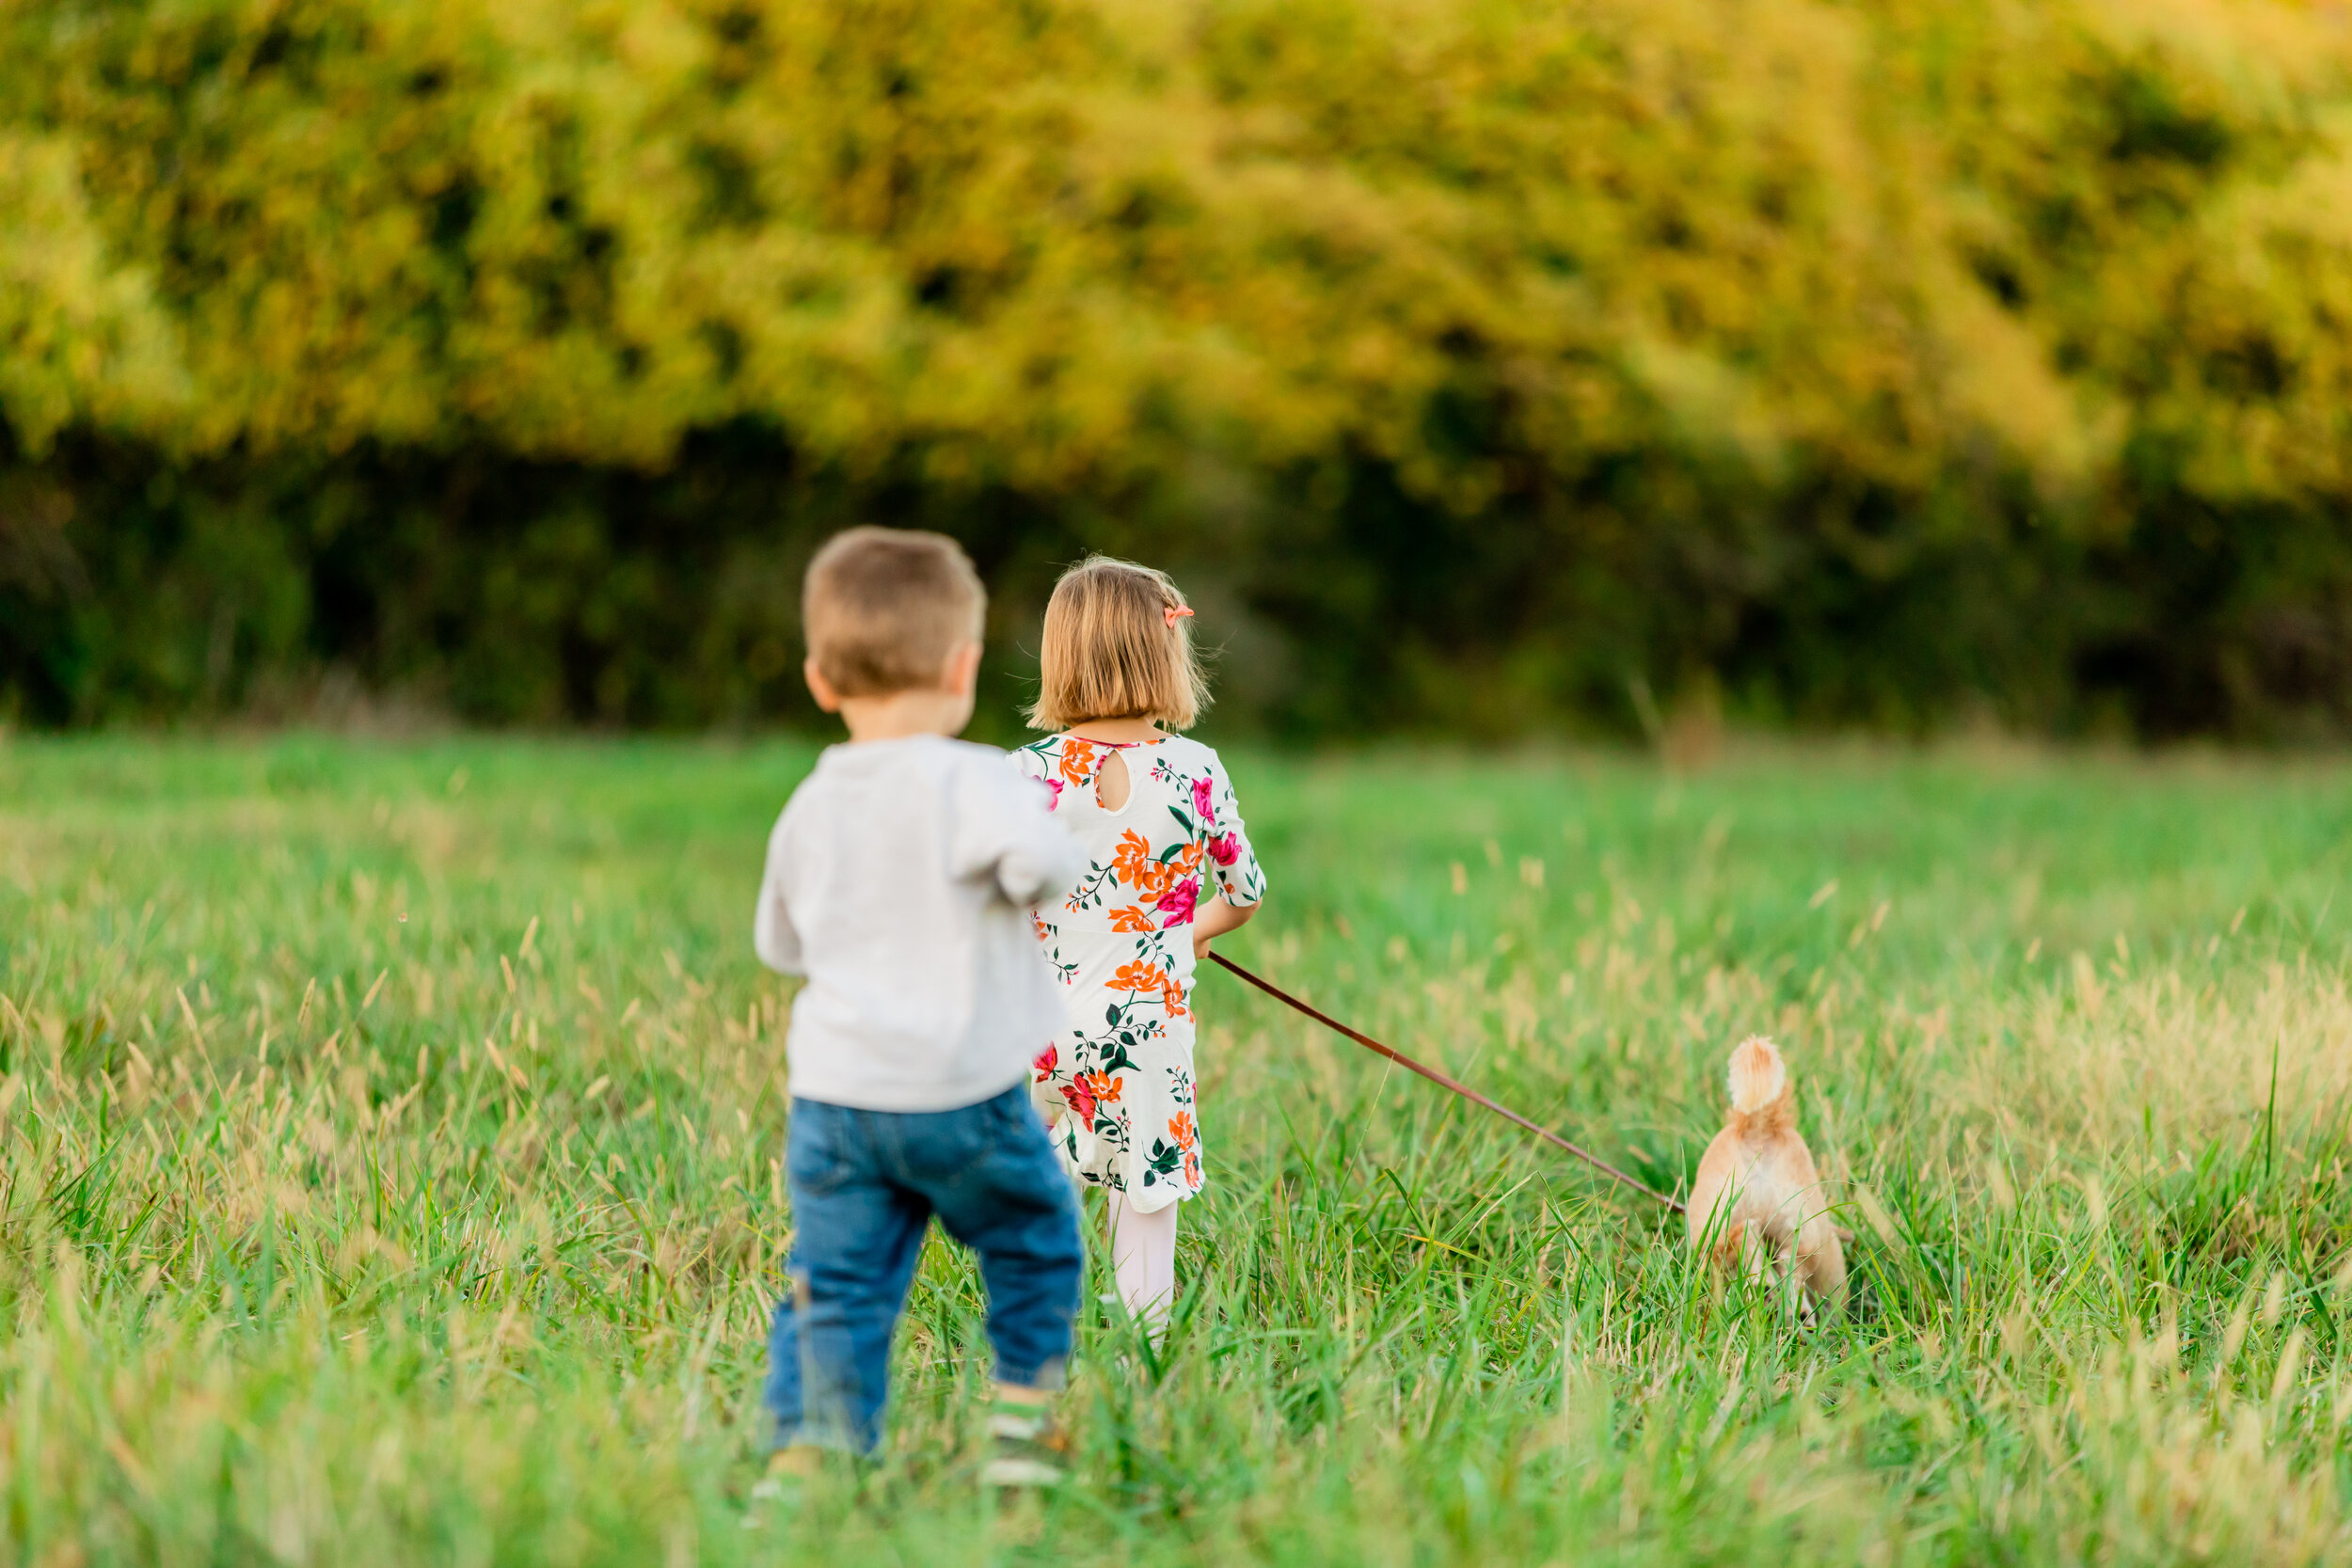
1143	1260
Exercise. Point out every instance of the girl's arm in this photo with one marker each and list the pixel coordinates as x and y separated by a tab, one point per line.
1214	920
1235	865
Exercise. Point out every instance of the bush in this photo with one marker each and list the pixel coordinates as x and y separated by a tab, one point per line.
1875	362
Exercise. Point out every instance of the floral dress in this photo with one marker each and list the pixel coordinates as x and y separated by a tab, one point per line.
1117	1085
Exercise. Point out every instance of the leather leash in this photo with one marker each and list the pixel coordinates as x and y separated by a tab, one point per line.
1435	1077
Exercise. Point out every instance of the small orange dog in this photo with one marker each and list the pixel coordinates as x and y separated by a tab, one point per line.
1757	1200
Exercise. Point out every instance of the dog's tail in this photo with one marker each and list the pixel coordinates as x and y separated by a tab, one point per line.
1758	1076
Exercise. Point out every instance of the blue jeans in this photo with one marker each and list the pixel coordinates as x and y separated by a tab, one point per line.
864	1184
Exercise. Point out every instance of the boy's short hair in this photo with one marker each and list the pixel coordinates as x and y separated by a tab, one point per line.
884	607
1116	647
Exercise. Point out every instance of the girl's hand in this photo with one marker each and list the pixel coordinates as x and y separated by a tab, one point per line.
1213	919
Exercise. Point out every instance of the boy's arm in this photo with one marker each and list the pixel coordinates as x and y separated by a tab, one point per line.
1004	831
773	936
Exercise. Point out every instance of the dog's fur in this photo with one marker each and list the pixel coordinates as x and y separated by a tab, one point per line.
1758	1202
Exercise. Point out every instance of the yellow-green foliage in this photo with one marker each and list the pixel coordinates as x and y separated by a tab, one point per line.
78	337
1822	346
1070	240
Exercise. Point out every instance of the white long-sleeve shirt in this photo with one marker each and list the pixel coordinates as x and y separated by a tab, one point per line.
899	880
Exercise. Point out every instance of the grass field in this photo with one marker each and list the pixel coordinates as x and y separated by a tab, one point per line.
391	1134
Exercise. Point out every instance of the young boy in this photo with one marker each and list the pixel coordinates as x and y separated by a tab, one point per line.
900	879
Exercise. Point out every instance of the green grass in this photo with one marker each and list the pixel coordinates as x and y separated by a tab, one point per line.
390	1171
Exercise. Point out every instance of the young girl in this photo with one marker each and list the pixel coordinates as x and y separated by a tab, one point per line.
1168	869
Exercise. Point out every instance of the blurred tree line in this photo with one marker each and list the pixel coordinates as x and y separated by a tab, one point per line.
1483	367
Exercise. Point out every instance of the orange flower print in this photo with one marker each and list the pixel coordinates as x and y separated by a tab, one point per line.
1130	918
1187	1138
1101	1086
1077	761
1173	997
1132	862
1187	861
1138	976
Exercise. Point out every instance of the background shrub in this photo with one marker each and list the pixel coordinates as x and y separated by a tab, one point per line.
1478	365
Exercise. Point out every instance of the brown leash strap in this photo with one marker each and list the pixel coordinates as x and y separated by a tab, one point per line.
1435	1077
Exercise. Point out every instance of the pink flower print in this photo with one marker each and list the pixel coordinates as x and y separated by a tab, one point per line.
1203	806
1044	1063
1053	802
1080	1097
1225	848
1177	902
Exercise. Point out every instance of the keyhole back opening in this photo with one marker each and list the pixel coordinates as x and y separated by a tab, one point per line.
1111	784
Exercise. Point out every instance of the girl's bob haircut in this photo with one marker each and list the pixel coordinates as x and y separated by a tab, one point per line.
1117	646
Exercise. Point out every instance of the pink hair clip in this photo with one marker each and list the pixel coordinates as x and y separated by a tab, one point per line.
1176	612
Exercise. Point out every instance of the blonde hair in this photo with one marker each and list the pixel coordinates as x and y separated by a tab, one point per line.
884	608
1115	648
